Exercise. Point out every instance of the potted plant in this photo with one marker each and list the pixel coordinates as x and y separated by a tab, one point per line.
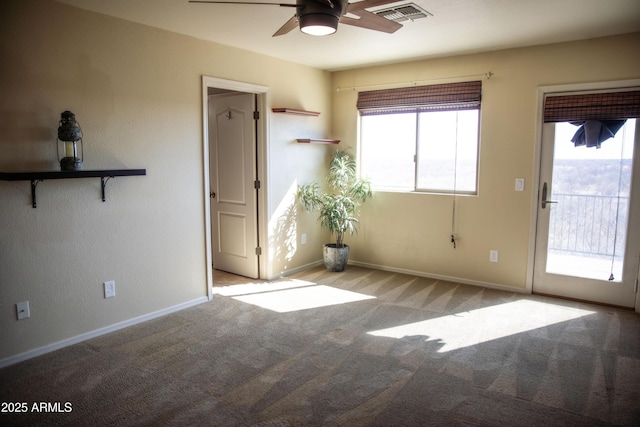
338	208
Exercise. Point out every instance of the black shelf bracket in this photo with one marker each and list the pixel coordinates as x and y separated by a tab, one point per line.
34	185
103	184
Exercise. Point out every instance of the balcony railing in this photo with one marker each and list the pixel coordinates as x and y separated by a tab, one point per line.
583	224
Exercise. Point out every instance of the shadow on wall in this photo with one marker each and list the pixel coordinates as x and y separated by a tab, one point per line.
284	232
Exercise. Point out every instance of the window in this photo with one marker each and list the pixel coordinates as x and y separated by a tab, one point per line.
421	138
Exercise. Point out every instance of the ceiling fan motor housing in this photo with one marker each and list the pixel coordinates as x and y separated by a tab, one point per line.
318	13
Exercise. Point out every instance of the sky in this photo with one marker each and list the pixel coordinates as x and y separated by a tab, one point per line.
610	149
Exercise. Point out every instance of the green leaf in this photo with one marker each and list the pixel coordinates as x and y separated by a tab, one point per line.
339	207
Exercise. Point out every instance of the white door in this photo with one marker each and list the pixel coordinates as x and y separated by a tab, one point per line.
587	242
232	148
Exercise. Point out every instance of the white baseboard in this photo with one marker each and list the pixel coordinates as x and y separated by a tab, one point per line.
296	270
413	273
96	333
440	277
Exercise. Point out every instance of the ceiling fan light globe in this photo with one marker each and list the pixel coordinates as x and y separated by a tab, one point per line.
317	30
318	24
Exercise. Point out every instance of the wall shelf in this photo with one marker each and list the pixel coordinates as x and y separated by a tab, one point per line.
305	113
36	177
318	141
295	111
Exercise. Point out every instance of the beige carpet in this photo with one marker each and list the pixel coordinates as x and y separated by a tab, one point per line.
359	348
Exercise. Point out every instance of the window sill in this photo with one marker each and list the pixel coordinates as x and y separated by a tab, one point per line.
425	192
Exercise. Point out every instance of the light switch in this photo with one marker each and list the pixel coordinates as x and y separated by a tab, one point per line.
519	184
22	310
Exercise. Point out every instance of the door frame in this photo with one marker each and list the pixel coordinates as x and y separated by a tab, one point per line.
262	141
535	185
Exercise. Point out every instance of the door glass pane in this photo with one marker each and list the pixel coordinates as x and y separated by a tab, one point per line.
588	224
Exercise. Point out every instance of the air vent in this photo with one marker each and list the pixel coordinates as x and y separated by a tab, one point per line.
402	13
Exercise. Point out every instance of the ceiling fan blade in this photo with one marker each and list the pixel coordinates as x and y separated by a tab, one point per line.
242	2
365	18
371	21
288	26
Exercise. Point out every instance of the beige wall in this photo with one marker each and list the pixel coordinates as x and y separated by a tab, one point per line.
410	232
137	93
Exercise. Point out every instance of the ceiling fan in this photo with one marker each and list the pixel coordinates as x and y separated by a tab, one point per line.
321	17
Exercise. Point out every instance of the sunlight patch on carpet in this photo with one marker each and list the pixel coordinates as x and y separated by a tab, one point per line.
293	295
485	324
259	288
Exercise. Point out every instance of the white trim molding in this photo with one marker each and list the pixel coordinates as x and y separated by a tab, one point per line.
542	92
441	277
263	164
98	332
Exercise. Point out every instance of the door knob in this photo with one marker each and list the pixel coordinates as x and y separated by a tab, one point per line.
544	197
212	195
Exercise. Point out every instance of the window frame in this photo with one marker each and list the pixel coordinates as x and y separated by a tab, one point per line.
416	157
445	97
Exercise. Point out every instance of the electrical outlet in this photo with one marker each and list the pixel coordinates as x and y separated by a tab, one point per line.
519	184
493	255
109	289
303	238
22	310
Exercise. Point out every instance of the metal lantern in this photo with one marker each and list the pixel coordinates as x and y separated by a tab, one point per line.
69	135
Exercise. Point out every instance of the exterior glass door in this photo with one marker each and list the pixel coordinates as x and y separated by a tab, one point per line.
586	217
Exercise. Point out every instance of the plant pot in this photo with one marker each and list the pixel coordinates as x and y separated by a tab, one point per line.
335	259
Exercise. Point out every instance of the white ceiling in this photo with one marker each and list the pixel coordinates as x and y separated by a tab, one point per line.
456	27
